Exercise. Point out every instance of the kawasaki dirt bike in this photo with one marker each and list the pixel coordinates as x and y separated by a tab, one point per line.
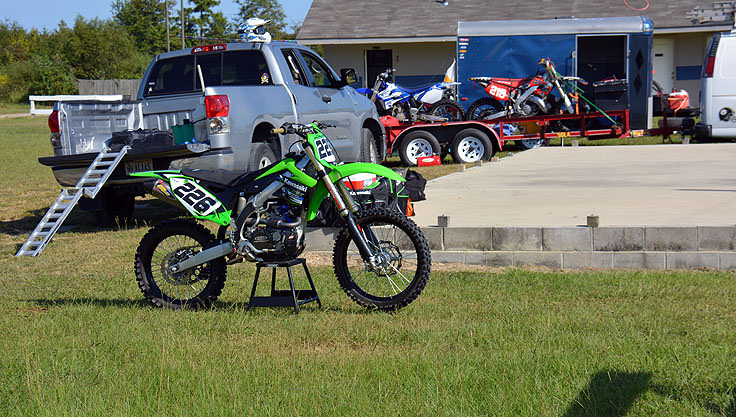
381	258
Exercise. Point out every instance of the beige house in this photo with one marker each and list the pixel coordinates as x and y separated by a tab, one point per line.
418	37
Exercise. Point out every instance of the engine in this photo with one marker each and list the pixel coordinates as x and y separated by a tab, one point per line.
273	242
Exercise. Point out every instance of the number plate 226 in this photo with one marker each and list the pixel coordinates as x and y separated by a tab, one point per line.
193	197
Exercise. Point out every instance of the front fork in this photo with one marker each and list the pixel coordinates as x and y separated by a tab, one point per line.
346	208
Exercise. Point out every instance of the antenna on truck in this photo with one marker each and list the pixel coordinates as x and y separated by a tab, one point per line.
201	78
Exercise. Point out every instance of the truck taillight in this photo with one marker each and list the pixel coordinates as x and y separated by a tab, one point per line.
709	65
54	121
217	106
710	58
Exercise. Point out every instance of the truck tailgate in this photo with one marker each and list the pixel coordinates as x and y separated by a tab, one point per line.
86	125
69	168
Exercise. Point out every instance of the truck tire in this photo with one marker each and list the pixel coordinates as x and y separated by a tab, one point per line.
417	144
118	208
261	156
471	145
368	148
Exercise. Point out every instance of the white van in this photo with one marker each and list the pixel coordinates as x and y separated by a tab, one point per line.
718	89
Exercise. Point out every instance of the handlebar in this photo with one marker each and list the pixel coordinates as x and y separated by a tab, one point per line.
300	129
570	78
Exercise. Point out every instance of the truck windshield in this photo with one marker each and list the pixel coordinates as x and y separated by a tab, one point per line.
179	75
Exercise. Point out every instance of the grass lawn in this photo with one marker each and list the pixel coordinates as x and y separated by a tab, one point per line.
11	108
77	337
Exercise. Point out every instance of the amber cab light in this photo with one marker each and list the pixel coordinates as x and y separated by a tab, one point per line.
54	121
217	106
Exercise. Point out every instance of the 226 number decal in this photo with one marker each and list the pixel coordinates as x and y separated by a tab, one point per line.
193	197
324	150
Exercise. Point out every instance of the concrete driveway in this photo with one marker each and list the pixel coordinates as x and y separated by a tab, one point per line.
667	185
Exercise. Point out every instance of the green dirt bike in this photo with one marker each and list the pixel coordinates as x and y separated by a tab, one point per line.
381	258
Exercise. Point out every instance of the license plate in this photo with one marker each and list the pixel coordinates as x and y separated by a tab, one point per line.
138	166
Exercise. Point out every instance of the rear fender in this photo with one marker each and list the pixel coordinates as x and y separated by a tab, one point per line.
162	175
197	200
344	171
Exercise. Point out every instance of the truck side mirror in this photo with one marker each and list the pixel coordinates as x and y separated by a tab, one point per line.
347	76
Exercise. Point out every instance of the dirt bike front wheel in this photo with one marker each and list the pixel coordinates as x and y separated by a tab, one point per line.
167	244
404	263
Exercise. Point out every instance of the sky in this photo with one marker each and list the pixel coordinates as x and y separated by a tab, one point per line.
47	14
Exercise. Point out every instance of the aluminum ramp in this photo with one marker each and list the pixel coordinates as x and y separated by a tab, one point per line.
89	185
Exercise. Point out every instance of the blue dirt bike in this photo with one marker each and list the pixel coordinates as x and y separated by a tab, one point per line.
433	102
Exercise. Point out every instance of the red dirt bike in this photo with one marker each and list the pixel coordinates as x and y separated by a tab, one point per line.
522	97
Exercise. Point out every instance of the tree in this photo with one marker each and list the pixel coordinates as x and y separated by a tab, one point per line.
207	23
268	10
145	21
100	49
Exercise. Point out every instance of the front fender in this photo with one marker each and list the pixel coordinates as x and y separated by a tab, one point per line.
344	171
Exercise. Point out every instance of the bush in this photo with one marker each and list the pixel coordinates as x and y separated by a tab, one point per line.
40	75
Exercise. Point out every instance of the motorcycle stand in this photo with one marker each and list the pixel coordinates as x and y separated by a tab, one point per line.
283	298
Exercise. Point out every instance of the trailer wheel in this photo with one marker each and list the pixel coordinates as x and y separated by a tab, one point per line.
527	144
471	145
417	144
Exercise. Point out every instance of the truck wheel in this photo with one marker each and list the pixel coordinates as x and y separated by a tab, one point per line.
417	144
118	208
368	149
483	108
471	145
261	156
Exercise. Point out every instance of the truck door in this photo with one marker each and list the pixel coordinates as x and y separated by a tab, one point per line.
320	99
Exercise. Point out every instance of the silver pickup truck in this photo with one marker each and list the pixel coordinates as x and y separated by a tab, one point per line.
249	88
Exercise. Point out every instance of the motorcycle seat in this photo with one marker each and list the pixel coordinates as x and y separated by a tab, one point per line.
510	82
415	90
223	177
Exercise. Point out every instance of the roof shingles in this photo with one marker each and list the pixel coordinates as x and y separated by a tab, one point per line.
337	19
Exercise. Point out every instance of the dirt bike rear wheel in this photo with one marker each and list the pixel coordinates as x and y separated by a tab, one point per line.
448	109
405	261
171	242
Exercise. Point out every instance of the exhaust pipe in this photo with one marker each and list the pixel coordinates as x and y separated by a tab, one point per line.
162	191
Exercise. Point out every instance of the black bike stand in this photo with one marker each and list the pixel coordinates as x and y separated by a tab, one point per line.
283	298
